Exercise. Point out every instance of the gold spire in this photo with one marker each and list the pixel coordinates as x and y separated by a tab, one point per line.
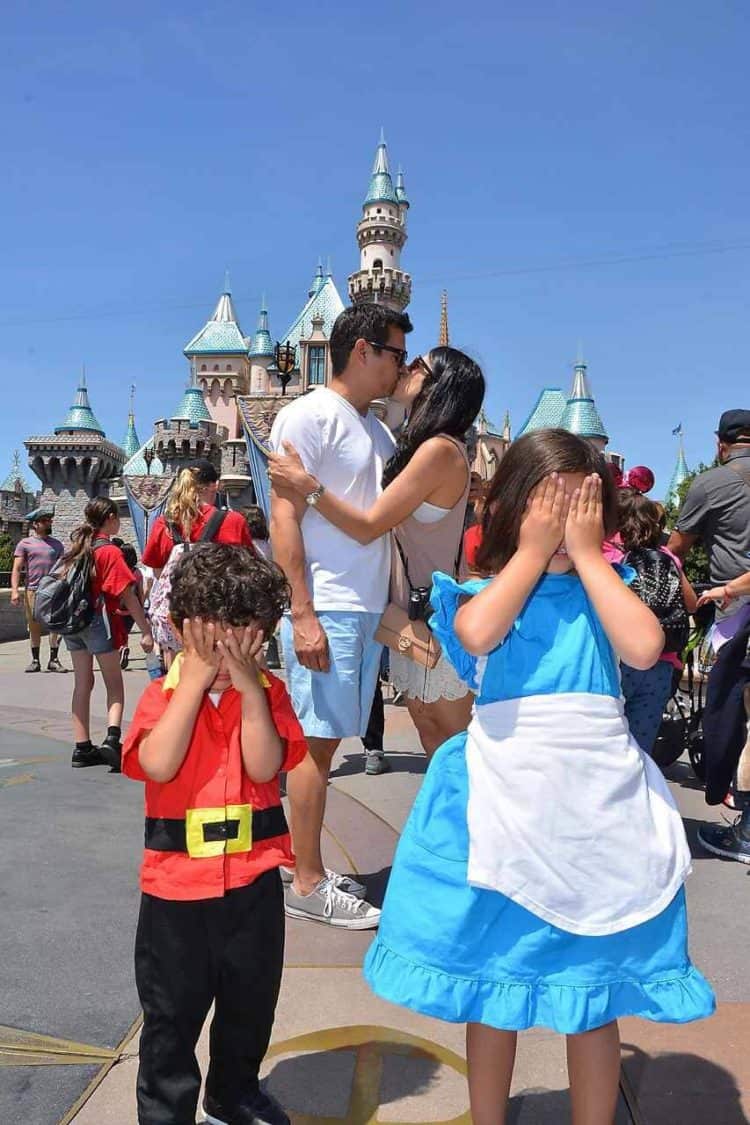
444	339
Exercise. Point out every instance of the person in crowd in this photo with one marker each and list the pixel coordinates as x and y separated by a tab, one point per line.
209	741
425	491
339	586
473	532
130	555
113	587
258	527
190	508
716	511
514	899
646	691
34	557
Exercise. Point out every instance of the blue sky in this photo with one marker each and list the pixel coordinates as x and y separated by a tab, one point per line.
578	175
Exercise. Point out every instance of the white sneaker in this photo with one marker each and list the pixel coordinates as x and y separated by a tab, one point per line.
328	904
344	883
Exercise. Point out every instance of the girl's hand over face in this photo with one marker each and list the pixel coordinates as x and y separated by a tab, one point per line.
200	661
288	473
239	648
543	524
584	529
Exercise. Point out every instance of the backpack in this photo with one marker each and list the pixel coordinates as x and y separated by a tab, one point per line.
65	602
161	590
658	585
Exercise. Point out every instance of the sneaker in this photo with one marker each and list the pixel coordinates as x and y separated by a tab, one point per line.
728	840
331	906
344	883
111	752
124	658
262	1109
88	756
376	762
35	666
56	666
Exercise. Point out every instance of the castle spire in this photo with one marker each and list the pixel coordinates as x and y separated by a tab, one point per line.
581	416
80	415
130	442
221	334
381	188
681	471
261	345
401	195
506	426
381	235
444	338
318	281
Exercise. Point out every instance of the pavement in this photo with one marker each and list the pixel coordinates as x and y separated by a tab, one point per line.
69	1015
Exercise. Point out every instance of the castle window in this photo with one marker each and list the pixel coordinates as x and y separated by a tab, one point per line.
316	366
377	264
228	367
216	367
203	367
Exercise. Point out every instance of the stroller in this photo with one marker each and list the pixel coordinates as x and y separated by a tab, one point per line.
682	721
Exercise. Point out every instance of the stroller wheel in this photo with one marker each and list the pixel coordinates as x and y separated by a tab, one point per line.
670	741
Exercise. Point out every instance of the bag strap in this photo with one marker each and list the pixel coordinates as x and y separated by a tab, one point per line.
456	565
212	525
100	543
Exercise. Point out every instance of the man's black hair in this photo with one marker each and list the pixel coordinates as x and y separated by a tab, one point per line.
363	322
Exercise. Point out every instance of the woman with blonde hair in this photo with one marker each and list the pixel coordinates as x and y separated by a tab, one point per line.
190	516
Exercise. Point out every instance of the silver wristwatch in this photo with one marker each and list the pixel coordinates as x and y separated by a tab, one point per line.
313	497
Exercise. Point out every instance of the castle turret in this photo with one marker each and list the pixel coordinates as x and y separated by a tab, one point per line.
580	415
680	474
218	352
381	235
75	464
261	353
130	442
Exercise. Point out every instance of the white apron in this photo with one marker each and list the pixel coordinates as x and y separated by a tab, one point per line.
568	817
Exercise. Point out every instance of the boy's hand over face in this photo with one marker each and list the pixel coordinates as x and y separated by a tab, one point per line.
201	658
239	648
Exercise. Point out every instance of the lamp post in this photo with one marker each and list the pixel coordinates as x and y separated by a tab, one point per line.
148	456
285	358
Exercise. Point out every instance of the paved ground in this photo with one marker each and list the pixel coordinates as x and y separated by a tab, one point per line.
69	1013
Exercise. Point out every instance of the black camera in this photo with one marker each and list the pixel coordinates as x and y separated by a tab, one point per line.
419	603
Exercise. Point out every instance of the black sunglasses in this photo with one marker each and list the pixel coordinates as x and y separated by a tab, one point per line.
400	353
420	362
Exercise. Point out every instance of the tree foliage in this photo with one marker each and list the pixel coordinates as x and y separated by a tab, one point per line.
696	561
6	552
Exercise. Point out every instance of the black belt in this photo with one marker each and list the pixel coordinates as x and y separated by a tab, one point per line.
164	834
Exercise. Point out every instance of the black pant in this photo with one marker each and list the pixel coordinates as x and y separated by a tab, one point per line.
373	737
189	955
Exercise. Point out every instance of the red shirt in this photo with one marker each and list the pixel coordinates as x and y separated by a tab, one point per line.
234	529
111	578
472	543
212	776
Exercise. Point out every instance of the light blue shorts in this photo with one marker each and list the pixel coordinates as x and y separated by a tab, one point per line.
337	703
96	638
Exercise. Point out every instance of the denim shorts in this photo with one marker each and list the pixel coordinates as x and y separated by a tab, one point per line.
96	638
337	703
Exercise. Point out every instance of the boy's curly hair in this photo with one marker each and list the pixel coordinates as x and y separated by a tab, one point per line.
230	584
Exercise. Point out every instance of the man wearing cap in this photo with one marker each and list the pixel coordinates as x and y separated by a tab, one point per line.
36	555
716	510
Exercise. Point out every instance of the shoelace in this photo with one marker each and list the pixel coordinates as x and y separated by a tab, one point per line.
335	897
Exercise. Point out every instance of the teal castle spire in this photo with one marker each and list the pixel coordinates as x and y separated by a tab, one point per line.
262	344
680	474
580	415
130	442
381	189
192	407
80	416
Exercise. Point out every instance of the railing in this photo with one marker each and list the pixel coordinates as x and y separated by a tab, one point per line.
5	579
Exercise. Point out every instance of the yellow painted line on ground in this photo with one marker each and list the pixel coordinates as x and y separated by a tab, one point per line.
340	846
371	1045
20	779
99	1078
27	1048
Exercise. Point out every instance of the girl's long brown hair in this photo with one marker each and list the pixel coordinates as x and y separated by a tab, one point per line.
529	459
96	513
640	525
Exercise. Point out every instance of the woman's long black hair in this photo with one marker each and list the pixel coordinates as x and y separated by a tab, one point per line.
447	404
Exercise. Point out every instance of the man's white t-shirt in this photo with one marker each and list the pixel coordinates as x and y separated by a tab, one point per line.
346	451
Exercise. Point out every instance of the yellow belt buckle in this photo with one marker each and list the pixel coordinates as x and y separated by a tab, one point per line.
196	819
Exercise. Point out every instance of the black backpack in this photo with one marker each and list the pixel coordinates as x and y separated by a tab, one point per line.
658	585
64	600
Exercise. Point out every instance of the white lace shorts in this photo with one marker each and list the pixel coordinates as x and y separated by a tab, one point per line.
427	685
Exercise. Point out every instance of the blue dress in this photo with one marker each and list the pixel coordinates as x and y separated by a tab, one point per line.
517	896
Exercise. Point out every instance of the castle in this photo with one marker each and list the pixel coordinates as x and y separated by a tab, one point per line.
237	384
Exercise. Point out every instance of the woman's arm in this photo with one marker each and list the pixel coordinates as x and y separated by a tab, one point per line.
427	471
633	630
133	604
484	621
736	588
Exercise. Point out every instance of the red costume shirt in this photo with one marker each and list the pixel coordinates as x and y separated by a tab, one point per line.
212	786
472	543
234	530
111	578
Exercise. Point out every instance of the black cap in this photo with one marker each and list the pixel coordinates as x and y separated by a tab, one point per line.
734	426
205	472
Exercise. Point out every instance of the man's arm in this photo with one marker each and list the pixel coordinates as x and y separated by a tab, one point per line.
310	641
15	580
680	542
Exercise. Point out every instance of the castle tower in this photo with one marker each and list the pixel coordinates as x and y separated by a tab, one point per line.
381	235
75	464
444	336
261	353
680	474
580	415
130	442
219	354
189	433
16	499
